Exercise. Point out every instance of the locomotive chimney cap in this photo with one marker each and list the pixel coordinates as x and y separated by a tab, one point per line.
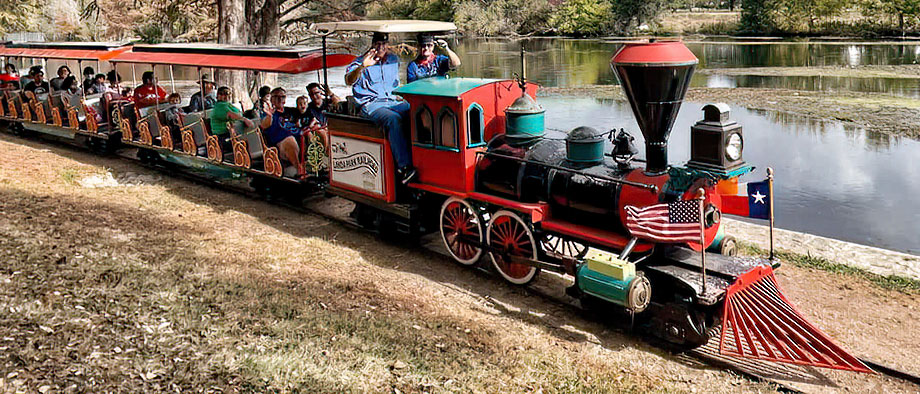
654	53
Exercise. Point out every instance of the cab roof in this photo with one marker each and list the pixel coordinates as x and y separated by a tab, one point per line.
290	60
444	87
384	26
65	50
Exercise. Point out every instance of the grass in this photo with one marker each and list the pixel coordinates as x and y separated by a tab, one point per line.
889	282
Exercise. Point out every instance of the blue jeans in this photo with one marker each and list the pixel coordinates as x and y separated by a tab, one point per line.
391	115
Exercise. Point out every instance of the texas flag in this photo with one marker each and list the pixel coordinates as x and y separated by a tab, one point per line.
754	204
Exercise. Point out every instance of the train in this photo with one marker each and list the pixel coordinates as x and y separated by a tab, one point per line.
496	185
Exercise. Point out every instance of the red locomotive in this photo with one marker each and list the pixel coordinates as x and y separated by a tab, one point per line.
492	180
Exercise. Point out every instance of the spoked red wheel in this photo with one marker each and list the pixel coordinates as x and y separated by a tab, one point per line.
510	235
561	247
461	231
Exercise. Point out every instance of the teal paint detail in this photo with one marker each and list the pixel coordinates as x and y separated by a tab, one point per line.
50	130
201	166
585	152
524	126
716	246
682	177
441	86
479	128
603	286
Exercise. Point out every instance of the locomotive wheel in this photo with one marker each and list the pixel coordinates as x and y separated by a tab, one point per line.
558	246
459	220
509	234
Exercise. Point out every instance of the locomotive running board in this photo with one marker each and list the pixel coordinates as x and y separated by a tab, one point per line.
758	322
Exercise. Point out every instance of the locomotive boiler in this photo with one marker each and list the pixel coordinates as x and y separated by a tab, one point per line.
574	173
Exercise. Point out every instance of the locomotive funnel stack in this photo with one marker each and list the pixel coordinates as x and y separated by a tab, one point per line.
655	76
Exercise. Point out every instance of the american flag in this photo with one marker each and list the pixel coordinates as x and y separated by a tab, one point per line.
674	222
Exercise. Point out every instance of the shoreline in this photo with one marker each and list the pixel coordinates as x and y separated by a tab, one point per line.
873	259
875	112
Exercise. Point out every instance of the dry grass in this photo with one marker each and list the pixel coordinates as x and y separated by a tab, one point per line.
712	22
170	286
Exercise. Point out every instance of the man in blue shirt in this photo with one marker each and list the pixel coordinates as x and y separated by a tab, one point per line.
373	77
427	64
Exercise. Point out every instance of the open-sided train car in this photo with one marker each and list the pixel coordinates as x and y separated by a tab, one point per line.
145	128
50	113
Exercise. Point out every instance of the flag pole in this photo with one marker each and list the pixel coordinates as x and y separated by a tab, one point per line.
770	186
701	195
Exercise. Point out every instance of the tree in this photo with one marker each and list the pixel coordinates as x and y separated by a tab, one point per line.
582	17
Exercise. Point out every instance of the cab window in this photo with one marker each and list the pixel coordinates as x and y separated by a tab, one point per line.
475	125
447	129
424	127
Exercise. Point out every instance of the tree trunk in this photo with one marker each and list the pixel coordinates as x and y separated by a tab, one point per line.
232	28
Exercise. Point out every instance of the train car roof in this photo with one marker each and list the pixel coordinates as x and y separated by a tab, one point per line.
65	50
384	26
444	87
290	60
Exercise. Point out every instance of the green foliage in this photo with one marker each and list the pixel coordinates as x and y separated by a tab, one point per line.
582	17
441	10
631	14
151	33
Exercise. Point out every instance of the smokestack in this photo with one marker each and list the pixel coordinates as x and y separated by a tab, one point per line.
655	76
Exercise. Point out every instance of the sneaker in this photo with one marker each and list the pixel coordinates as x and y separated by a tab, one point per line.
407	174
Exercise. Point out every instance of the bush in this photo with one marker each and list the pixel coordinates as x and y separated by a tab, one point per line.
582	18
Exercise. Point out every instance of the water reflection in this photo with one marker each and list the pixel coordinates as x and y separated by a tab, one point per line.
833	179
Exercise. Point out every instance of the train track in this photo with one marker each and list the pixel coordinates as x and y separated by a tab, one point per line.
782	376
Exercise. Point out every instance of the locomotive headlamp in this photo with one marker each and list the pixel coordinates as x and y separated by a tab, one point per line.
734	146
716	142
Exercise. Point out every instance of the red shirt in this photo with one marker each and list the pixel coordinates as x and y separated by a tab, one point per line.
146	95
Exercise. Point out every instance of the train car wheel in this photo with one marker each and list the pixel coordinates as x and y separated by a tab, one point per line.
558	246
461	222
509	235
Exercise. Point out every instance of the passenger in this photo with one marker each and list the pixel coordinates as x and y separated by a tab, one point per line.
223	113
89	78
210	97
127	94
320	100
9	80
280	132
300	116
260	103
149	93
38	84
427	64
28	77
70	92
63	72
373	77
98	85
173	115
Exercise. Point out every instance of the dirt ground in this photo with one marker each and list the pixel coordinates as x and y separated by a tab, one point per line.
897	116
152	283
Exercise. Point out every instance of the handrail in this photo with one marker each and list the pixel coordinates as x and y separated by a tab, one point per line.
653	188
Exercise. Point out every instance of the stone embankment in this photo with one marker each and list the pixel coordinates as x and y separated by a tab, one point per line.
875	260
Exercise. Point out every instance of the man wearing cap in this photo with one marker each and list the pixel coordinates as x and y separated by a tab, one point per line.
373	77
196	104
427	63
